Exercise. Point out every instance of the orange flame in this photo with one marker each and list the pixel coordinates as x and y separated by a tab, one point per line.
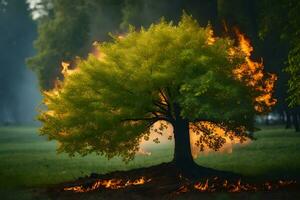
201	187
211	39
252	73
108	184
66	69
218	185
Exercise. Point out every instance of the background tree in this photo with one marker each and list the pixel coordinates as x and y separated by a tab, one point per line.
279	28
178	75
17	95
68	31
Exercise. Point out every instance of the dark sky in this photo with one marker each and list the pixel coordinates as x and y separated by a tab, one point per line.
19	94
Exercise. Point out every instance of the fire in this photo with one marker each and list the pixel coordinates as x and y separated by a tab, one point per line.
97	52
252	73
108	184
211	39
201	187
66	69
216	184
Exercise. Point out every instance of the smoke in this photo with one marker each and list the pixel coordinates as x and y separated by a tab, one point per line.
19	94
39	8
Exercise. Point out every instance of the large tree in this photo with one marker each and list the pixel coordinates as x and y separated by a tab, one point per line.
175	74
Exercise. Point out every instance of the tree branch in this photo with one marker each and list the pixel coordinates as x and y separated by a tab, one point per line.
156	118
164	96
160	106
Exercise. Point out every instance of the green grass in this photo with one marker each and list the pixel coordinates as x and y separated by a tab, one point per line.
276	152
29	160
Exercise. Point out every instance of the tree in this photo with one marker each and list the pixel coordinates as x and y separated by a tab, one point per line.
180	75
280	22
68	31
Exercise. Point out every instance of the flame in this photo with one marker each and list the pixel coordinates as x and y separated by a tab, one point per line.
182	189
65	70
120	37
108	184
201	187
224	185
252	73
65	67
236	188
96	51
211	39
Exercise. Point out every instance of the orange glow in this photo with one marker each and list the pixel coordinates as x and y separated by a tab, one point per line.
109	184
252	73
164	136
201	187
120	37
65	67
97	52
230	140
211	39
224	185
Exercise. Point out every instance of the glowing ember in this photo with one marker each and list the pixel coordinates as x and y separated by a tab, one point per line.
201	187
108	184
219	185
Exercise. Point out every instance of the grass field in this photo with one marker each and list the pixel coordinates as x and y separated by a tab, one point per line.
29	160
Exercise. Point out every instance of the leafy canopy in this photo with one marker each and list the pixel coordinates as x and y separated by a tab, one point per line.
112	98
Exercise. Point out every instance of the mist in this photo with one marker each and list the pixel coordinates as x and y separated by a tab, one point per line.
19	93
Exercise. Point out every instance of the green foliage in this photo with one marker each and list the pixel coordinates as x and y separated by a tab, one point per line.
282	18
60	37
294	70
109	102
68	32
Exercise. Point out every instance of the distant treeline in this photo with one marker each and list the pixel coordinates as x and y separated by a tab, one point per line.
70	27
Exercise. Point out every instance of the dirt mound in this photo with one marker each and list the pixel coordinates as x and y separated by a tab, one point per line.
163	181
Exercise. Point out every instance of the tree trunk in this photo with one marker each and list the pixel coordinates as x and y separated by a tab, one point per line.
183	159
296	121
182	153
288	120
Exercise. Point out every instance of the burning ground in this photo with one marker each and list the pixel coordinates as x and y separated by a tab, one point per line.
165	182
